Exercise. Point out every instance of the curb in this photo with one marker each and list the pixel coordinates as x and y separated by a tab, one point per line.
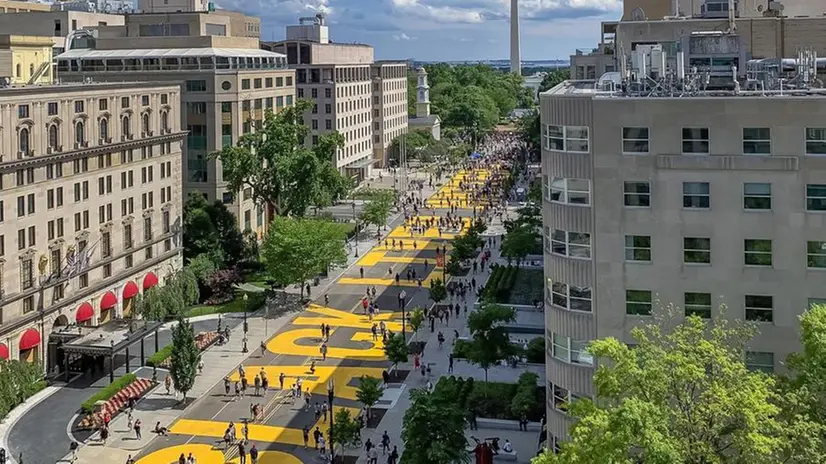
15	414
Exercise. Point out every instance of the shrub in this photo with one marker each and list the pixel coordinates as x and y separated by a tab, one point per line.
461	349
536	351
107	392
18	381
497	400
158	358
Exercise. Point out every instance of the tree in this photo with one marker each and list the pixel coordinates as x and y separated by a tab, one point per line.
278	168
396	349
433	429
345	429
519	242
211	229
475	112
185	357
416	319
438	292
369	392
170	300
377	210
490	342
221	284
682	394
554	78
296	249
19	381
529	128
525	398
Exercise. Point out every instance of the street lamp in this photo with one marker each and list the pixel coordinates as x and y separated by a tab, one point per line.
331	393
402	296
246	325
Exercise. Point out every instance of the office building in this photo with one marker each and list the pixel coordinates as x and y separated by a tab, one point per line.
91	207
58	24
25	59
698	192
339	78
228	83
11	6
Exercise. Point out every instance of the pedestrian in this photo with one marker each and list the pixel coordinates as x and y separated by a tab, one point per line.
385	442
242	453
317	411
323	350
167	382
450	363
322	446
385	376
73	448
257	383
129	460
254	454
137	428
305	433
281	380
237	391
316	437
104	434
394	455
226	385
263	348
361	272
324	410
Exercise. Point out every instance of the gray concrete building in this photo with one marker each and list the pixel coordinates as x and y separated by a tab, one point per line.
699	200
91	206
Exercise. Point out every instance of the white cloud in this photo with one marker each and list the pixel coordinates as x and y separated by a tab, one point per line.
477	11
402	36
441	14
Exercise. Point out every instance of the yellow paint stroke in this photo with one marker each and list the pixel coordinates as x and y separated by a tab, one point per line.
372	258
206	454
337	318
287	343
257	432
375	281
316	382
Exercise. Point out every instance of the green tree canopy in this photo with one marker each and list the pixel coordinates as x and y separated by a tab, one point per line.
519	242
396	349
682	394
345	429
211	229
433	429
169	300
554	78
437	290
185	357
297	249
369	392
490	341
280	169
377	210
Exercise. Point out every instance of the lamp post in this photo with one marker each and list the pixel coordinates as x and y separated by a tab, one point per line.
402	296
246	326
356	254
331	393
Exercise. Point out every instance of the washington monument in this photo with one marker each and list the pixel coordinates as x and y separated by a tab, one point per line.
516	59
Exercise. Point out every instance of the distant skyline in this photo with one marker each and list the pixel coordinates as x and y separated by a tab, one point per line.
444	30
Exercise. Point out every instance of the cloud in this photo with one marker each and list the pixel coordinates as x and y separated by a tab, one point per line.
478	11
402	36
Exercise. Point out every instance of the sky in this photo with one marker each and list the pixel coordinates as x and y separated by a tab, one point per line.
444	30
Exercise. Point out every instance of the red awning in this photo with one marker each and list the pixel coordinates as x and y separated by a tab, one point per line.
150	280
29	339
129	290
108	301
4	351
84	313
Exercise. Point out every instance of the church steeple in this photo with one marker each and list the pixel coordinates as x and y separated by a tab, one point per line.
422	94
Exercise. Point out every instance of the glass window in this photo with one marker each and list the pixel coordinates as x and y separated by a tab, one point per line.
695	140
816	255
757	195
696	250
758	252
579	353
561	397
760	361
572	244
815	141
696	195
638	248
635	140
555	138
560	348
571	191
570	297
759	308
698	304
637	194
638	302
576	139
816	197
757	141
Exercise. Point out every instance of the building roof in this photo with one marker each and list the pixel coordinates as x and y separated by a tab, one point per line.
591	89
428	121
169	52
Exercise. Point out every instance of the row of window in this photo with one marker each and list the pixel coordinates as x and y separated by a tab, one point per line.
53	108
756	308
267	83
694	140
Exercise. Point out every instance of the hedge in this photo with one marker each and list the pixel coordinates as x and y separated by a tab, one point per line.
497	400
160	356
107	392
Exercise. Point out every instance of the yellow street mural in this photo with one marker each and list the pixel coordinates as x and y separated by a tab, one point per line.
206	454
317	383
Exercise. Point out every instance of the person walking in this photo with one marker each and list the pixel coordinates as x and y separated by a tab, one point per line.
281	377
316	437
242	453
450	363
254	454
394	456
385	443
305	434
324	410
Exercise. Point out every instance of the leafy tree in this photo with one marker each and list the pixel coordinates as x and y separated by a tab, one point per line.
211	229
490	342
345	429
525	398
683	394
529	128
554	78
19	381
433	429
296	249
369	392
416	319
185	357
377	210
519	242
414	141
169	300
474	111
278	167
396	349
222	283
438	292
202	266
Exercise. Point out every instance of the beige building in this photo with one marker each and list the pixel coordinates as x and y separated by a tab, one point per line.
389	106
26	59
339	78
91	207
55	24
693	200
227	84
9	6
172	6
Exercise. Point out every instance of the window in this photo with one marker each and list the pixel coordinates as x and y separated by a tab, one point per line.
26	276
78	106
314	93
637	194
635	140
126	126
638	302
23	111
757	196
758	252
571	191
757	141
124	102
760	361
23	140
199	86
696	195
104	129
83	280
816	255
561	397
696	250
698	304
815	141
576	139
52	109
569	297
570	351
695	140
54	136
145	123
572	244
638	248
103	104
555	138
759	308
816	197
80	136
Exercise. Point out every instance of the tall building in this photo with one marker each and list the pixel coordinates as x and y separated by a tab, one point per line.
228	84
668	185
516	54
339	78
91	207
